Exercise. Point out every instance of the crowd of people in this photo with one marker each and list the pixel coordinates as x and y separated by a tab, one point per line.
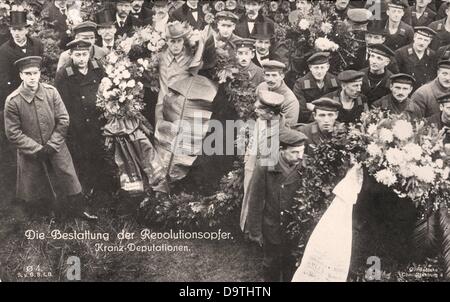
403	67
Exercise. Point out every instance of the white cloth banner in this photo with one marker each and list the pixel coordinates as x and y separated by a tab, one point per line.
328	252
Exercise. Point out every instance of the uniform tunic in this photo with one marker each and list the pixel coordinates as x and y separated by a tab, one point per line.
423	70
390	104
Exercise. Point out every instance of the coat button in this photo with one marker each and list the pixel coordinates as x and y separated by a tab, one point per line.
83	97
88	120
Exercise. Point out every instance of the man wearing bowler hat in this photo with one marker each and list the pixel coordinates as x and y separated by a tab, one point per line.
315	84
36	123
418	59
399	101
106	29
85	31
376	76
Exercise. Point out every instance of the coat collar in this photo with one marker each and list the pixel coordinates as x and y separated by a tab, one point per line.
29	95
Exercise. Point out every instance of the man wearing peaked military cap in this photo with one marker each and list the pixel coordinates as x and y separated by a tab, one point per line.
84	31
359	18
315	84
244	55
418	59
399	32
399	101
77	83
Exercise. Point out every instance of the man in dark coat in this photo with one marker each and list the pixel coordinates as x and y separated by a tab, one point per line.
399	100
441	119
140	12
78	84
246	27
418	59
55	13
399	33
190	12
125	22
266	47
421	13
441	28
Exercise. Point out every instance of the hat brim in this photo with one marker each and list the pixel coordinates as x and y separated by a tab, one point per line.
21	25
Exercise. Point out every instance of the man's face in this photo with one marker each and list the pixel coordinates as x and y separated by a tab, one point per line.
176	46
378	62
80	58
293	155
123	9
161	11
137	5
262	47
193	3
401	91
107	33
422	3
445	108
444	77
244	56
421	42
252	9
395	14
373	39
303	5
273	79
352	89
87	37
225	28
325	119
19	34
30	77
319	71
342	4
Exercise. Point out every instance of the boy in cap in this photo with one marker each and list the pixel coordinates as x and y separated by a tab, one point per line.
225	38
78	84
36	122
192	13
274	81
247	24
106	29
85	31
245	52
418	59
352	101
315	84
399	33
426	96
125	22
399	101
376	76
271	192
326	112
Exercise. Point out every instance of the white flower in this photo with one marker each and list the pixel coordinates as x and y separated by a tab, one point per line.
112	58
116	81
386	177
413	151
161	43
122	85
395	156
374	150
131	84
440	163
403	130
407	170
126	74
326	27
106	83
445	173
425	174
372	129
386	135
303	24
325	44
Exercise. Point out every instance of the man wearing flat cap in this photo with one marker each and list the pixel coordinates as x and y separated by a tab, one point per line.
192	13
77	83
442	29
376	76
274	81
125	22
85	31
19	45
36	123
315	84
399	101
352	101
441	119
418	59
225	38
247	24
325	114
358	18
399	33
271	192
245	52
426	96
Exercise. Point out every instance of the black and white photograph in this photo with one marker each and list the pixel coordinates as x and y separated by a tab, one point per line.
225	141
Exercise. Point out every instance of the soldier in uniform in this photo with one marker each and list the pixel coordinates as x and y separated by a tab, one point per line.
125	21
190	12
78	84
441	119
418	59
442	29
421	14
315	84
36	123
425	97
247	25
399	100
84	31
376	76
245	52
353	103
326	112
399	33
106	29
274	81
